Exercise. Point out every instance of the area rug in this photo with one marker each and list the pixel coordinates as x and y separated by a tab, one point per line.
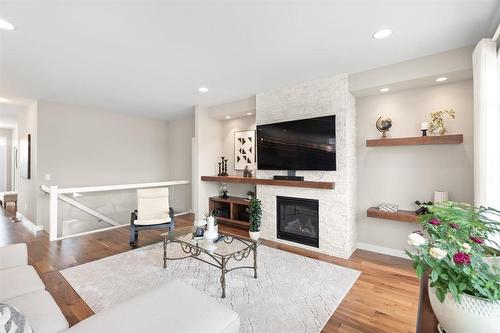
292	293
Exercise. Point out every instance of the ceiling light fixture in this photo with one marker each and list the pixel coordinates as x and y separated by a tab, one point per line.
5	25
441	79
203	90
382	33
4	100
227	117
384	90
249	113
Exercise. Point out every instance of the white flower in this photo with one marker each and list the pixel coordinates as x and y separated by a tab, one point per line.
415	239
437	253
466	247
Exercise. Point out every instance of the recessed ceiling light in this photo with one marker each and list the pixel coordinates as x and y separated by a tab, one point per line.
249	113
203	89
227	117
441	79
384	90
382	33
4	100
5	25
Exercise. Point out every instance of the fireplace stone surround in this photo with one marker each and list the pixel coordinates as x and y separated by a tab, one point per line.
337	224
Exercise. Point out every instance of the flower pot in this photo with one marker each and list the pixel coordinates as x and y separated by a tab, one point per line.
254	235
473	314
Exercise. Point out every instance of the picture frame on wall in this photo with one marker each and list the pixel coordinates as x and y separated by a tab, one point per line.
244	149
25	157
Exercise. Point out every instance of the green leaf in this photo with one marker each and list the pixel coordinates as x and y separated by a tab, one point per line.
444	277
434	275
453	290
462	287
440	294
419	270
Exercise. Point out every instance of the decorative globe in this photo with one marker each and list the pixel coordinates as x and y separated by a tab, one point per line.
383	125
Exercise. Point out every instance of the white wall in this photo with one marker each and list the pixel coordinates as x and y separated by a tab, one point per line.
207	147
78	146
229	127
6	159
404	174
179	159
28	188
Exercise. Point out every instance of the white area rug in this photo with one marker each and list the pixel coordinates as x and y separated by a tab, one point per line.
292	293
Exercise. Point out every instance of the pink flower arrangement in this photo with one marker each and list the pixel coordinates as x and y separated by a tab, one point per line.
435	222
477	240
461	258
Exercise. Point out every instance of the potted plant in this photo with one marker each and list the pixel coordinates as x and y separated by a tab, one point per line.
464	279
250	195
255	217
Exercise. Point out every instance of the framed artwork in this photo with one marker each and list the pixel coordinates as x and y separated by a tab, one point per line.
25	157
244	149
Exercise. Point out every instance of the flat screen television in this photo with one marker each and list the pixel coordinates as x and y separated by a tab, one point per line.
307	144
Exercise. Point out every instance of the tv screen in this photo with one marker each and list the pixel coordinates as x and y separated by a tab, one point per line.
307	144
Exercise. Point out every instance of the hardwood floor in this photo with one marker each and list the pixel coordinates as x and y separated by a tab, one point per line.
383	299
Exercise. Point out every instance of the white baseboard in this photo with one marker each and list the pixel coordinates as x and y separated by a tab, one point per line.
32	226
383	250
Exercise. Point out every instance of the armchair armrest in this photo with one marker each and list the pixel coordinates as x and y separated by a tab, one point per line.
13	255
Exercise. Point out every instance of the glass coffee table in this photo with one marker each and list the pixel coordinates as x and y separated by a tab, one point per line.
231	247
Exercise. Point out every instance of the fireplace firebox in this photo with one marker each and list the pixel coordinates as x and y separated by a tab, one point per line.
298	220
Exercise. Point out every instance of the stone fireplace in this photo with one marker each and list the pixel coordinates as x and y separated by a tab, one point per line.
336	223
298	220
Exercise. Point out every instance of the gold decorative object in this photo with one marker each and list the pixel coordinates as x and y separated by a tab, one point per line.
437	122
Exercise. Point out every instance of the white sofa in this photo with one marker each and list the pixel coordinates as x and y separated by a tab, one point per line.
174	307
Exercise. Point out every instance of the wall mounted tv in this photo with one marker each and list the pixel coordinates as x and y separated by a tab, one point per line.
307	144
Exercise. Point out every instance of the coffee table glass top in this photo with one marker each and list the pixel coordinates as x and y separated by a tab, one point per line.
227	247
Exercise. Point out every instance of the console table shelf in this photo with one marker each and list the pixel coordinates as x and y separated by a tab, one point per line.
417	140
235	208
400	215
272	182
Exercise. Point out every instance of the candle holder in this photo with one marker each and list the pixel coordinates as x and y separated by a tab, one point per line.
424	132
223	164
220	169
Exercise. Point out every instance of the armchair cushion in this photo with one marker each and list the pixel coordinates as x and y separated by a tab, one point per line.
152	204
13	255
152	222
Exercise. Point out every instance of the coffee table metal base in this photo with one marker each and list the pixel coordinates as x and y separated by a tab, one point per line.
220	262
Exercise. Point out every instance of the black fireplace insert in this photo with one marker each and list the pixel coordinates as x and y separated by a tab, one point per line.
298	220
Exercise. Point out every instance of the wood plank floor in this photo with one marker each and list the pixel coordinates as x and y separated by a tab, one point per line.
383	299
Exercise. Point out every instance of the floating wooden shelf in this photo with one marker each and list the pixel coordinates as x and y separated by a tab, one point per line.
272	182
400	215
417	140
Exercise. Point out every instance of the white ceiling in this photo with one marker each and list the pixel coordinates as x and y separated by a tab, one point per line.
151	57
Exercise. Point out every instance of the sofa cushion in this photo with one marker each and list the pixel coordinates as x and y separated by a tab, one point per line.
19	280
174	307
12	320
41	311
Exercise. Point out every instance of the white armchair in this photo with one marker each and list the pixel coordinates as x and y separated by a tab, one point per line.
153	212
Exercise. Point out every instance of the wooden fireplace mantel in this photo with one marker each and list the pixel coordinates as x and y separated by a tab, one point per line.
270	182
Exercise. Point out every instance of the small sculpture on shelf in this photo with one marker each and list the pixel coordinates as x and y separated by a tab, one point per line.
223	167
424	127
247	173
224	191
383	125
